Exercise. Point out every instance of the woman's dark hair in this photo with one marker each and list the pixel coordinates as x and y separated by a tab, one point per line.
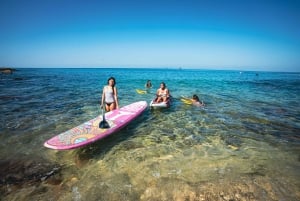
111	78
195	97
149	84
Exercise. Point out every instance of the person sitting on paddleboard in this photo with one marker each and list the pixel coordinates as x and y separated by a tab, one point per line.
148	84
196	101
110	95
162	93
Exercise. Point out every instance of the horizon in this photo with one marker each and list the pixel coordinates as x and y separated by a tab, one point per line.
215	35
159	68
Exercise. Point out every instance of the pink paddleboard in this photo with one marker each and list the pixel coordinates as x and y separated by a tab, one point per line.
90	132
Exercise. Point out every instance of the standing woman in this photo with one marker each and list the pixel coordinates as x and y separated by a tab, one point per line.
110	95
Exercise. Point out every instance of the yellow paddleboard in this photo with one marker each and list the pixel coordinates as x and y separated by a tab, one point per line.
186	100
140	91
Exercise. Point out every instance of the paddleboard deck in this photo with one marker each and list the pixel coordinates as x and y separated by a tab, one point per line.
90	132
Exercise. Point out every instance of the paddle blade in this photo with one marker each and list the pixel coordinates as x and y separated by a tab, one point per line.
104	124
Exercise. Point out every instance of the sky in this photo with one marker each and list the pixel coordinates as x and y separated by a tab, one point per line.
217	34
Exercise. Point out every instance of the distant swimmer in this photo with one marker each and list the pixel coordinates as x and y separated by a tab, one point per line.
196	101
148	84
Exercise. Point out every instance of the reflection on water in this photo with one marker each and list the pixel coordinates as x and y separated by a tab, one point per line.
239	147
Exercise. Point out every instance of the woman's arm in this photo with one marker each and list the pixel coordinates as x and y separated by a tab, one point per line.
168	93
157	92
116	97
103	97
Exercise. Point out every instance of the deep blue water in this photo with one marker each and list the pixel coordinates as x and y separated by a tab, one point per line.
245	111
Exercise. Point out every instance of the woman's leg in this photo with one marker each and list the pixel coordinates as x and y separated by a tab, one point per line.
106	107
112	106
158	99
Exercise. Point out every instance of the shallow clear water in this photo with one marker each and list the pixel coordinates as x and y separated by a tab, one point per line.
243	145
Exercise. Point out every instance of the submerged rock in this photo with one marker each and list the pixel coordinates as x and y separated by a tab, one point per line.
22	171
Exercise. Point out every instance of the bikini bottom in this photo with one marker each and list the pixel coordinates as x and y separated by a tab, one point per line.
108	104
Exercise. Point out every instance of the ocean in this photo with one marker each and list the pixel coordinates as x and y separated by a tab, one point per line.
243	145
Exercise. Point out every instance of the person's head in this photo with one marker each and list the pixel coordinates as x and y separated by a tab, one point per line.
195	97
149	84
162	85
111	81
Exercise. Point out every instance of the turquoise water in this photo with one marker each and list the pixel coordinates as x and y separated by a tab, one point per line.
243	145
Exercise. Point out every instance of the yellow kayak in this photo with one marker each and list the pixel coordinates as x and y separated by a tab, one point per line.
140	91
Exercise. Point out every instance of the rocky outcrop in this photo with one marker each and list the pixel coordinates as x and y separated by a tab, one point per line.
4	70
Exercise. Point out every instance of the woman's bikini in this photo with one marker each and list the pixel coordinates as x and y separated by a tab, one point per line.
162	93
109	95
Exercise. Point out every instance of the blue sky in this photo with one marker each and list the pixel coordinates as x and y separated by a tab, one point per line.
228	34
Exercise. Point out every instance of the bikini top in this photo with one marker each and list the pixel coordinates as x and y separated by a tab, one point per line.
109	94
162	93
